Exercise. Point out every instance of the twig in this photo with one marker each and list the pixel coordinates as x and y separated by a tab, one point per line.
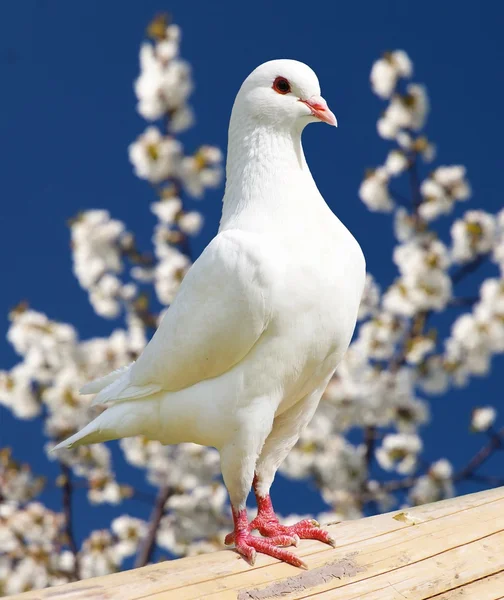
489	479
416	198
148	543
370	441
468	268
399	197
67	490
467	301
495	443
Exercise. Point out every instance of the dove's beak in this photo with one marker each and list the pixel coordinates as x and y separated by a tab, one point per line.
319	109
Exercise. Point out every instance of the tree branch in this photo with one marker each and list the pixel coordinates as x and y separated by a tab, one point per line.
463	301
468	268
495	443
67	490
148	543
370	441
416	198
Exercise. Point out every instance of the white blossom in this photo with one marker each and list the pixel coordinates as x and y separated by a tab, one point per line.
396	163
129	531
165	81
436	485
379	335
201	171
433	376
473	235
155	157
419	347
107	296
483	417
387	70
17	392
399	452
169	272
370	298
441	190
404	112
404	225
96	246
498	250
167	210
99	555
424	283
191	222
374	191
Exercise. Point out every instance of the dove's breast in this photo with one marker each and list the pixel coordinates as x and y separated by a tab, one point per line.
314	303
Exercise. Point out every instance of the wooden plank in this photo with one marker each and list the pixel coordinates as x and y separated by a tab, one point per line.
366	559
376	549
487	588
420	581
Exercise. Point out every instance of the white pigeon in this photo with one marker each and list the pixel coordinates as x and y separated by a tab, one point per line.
261	320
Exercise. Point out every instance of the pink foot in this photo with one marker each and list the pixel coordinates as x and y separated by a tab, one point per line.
268	525
248	545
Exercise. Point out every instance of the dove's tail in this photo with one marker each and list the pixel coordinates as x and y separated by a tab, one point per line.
97	385
121	420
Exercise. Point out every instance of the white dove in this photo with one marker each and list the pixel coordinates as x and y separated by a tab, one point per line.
261	320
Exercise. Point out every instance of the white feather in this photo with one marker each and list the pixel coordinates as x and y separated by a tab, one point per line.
97	385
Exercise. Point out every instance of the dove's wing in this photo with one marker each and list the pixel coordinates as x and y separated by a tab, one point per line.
219	313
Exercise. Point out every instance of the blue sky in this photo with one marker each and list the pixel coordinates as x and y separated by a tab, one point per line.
67	115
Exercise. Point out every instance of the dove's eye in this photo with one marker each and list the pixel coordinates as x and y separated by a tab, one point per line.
281	85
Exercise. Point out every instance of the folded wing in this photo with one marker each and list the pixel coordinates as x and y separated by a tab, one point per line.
220	312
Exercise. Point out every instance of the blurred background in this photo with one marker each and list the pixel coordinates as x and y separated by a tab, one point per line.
67	117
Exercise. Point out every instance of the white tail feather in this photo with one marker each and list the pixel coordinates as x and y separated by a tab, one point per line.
123	389
102	382
120	420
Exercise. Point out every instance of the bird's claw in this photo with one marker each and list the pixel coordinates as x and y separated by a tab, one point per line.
308	529
248	545
277	540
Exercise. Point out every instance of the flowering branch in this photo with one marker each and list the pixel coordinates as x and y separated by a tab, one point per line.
495	443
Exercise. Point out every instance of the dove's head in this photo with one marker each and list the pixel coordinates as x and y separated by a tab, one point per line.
283	93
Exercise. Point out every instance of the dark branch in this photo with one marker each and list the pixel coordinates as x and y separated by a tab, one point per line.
145	553
370	436
67	491
495	443
468	268
416	198
468	301
490	480
468	472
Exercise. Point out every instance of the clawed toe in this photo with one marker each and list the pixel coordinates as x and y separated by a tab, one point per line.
247	545
309	529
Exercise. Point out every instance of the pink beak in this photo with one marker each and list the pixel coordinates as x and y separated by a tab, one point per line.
319	109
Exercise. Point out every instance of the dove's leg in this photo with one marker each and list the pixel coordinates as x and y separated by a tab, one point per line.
286	431
238	459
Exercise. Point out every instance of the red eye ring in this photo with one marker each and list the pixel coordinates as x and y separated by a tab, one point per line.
281	85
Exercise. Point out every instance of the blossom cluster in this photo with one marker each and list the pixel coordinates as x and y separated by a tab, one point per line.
55	363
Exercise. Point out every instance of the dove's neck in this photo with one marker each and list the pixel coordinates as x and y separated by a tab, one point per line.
267	179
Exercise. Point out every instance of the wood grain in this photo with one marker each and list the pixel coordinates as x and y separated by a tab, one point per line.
450	550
